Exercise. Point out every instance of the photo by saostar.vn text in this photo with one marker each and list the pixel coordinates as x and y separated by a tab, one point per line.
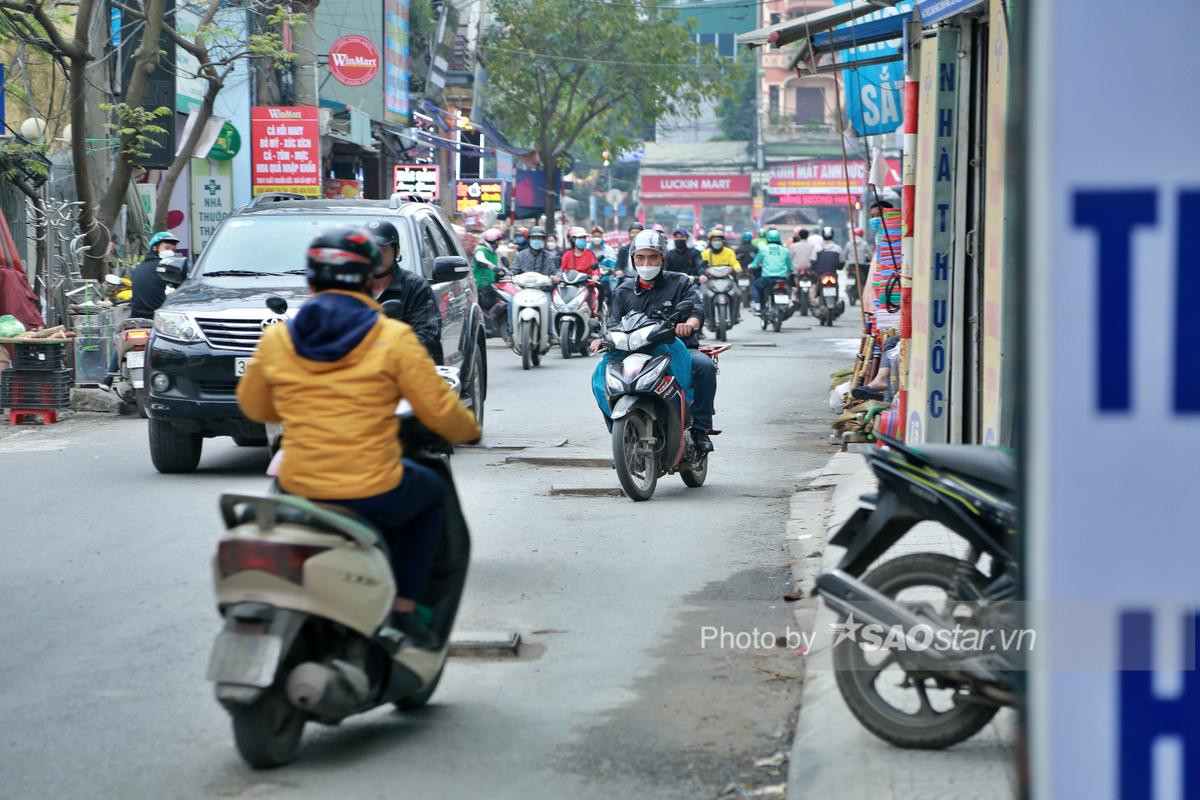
921	637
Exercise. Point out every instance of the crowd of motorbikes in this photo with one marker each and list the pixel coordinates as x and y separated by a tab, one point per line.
305	590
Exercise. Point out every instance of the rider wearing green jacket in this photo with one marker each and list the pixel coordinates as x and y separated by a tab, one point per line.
775	262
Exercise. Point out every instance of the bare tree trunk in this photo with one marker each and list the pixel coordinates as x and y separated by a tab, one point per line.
145	61
96	239
167	187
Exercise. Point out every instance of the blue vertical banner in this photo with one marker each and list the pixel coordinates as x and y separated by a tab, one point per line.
874	94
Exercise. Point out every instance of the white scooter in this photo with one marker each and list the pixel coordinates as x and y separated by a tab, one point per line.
572	314
529	313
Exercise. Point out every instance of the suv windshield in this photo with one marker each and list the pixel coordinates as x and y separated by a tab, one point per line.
273	245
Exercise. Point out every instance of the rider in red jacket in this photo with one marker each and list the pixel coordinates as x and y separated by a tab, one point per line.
582	258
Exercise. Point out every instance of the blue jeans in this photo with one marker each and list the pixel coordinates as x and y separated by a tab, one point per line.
763	283
704	389
410	519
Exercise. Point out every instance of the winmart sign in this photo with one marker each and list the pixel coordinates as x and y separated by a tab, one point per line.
354	60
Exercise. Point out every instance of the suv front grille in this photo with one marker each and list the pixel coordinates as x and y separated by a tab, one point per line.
231	334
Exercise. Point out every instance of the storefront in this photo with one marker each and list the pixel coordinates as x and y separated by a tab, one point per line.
820	191
696	201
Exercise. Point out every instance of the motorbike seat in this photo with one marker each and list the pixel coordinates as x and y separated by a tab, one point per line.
988	464
296	516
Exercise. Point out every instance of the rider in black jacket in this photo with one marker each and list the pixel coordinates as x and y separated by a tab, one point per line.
655	292
393	282
681	257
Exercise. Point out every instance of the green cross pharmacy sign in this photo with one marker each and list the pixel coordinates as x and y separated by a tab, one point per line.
212	198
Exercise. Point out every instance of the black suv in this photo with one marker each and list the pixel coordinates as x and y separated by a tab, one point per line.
207	330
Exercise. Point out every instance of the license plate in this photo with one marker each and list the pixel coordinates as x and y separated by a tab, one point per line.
829	291
805	285
135	359
246	659
743	281
782	299
239	366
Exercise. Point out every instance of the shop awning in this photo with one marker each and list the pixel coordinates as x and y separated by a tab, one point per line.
793	30
825	46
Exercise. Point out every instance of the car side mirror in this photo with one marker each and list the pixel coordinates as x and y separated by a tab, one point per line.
449	268
392	309
173	269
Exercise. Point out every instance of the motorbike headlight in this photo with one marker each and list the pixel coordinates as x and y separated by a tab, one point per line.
638	339
613	382
175	325
620	340
654	372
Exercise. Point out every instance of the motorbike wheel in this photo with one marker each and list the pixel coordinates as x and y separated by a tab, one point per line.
638	473
776	320
804	304
564	338
722	322
694	478
536	355
852	297
139	401
858	680
526	344
267	732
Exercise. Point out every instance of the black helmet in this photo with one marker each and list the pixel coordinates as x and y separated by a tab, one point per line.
385	235
342	258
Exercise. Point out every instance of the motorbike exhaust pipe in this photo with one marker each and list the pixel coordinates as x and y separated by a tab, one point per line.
328	691
853	598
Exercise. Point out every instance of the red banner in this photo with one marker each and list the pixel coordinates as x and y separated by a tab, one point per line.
690	189
285	150
822	182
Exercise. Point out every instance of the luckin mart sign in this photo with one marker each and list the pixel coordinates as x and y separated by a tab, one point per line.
875	94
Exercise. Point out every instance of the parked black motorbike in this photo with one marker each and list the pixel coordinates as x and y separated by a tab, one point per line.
945	677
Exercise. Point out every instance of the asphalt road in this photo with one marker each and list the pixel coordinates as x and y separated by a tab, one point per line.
108	615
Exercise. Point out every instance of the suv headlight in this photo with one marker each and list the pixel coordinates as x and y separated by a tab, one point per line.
175	325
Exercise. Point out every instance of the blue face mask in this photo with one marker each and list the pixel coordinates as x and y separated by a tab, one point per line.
581	243
518	240
536	244
876	225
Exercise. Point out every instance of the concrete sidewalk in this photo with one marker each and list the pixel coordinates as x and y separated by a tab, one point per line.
832	754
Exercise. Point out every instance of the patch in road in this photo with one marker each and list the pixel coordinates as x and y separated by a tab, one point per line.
705	713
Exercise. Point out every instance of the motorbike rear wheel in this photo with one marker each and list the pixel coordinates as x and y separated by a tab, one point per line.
420	698
694	478
803	303
638	472
776	319
722	322
267	732
858	679
564	338
526	344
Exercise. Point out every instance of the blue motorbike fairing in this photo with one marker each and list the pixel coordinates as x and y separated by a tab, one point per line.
681	370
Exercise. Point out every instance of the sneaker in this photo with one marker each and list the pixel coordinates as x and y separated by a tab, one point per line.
416	632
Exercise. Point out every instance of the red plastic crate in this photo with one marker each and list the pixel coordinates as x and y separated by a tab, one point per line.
35	388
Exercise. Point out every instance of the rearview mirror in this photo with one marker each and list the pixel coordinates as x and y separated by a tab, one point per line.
172	269
449	268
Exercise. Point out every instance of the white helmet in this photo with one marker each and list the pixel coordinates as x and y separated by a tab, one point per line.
649	240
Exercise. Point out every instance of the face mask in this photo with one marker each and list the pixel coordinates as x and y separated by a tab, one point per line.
597	241
876	225
681	244
518	240
536	244
581	243
166	252
717	246
648	273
